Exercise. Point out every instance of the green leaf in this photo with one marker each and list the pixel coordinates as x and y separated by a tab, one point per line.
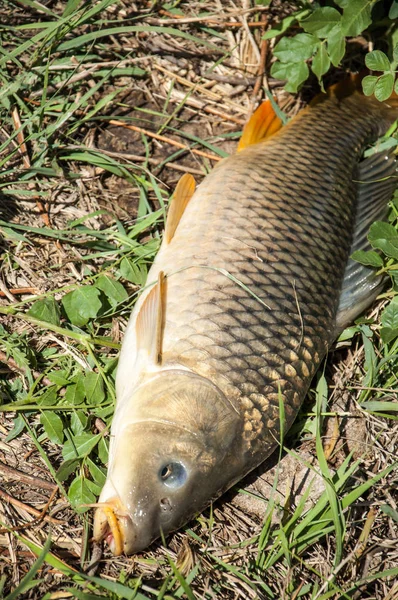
294	73
48	397
58	377
132	272
46	310
75	392
336	46
321	62
53	426
356	16
348	333
79	494
78	422
395	51
98	474
94	487
80	446
369	84
380	406
103	450
384	237
322	22
389	511
389	316
66	468
396	87
384	87
82	304
377	61
393	13
296	49
18	428
113	289
369	258
388	335
283	25
94	388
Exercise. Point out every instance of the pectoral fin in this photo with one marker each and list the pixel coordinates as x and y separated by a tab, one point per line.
182	195
149	324
377	178
263	123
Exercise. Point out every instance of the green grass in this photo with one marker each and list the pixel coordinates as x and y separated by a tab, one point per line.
64	340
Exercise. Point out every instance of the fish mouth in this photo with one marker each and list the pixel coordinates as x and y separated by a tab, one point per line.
110	523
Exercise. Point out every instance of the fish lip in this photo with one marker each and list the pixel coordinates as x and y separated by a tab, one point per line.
110	524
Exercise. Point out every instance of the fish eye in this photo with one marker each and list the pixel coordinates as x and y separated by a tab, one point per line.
173	474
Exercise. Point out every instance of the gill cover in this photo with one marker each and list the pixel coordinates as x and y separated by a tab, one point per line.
173	446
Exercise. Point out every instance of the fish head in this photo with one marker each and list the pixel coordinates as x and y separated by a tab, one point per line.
168	462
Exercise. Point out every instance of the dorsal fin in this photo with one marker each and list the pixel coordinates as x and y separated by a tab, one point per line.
149	324
182	195
263	123
377	180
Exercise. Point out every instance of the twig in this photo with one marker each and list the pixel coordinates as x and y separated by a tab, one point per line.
20	138
152	161
262	61
19	291
28	479
10	362
26	162
200	88
167	140
330	446
29	509
215	19
246	81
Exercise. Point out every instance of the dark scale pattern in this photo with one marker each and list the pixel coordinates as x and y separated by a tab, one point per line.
278	217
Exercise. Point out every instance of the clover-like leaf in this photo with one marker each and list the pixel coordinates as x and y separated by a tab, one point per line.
377	61
384	87
393	12
384	237
369	84
368	258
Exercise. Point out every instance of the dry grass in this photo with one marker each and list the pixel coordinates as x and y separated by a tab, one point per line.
75	158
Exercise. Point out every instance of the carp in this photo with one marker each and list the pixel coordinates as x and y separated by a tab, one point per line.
252	284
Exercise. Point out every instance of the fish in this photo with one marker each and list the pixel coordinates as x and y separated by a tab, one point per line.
252	284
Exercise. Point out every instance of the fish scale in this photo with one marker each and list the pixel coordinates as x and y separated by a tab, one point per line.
254	277
292	335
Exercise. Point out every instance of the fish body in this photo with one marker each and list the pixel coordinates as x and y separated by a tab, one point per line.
247	299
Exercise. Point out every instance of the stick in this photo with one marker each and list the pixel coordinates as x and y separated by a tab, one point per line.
167	140
19	291
25	478
29	509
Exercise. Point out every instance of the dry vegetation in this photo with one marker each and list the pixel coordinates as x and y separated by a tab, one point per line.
97	127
